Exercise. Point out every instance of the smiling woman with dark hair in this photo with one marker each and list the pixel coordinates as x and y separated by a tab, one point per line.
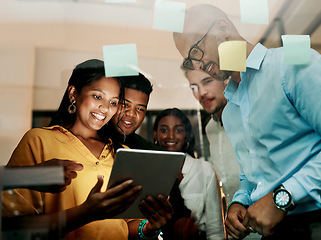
198	183
89	102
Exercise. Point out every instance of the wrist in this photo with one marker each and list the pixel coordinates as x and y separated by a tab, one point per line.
235	202
85	209
145	230
148	229
282	199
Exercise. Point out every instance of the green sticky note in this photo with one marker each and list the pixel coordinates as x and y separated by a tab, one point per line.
169	16
254	11
232	56
120	60
296	49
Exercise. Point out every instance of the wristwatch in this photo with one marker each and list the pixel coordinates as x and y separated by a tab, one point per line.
282	199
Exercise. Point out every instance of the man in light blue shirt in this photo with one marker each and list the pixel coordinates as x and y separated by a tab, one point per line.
273	122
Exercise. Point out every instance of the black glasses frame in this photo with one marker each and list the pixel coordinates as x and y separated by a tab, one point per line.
187	63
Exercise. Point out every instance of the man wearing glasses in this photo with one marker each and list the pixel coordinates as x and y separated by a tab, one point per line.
209	93
272	119
195	57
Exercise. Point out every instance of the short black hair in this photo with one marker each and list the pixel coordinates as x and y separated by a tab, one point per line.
138	82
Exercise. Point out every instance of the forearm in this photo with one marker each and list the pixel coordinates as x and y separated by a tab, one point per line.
242	195
75	217
304	96
304	185
58	224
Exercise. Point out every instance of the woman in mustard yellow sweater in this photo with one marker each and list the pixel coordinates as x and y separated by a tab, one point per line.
85	207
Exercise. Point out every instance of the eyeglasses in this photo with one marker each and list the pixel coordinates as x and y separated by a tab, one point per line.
195	53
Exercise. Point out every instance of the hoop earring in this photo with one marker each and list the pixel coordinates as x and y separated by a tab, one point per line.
187	145
72	108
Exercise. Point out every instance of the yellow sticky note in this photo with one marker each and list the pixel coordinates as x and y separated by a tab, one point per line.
232	55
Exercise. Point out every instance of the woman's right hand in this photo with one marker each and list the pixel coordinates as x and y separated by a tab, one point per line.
70	169
115	200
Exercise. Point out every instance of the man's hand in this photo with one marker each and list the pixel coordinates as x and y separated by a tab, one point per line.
264	216
234	219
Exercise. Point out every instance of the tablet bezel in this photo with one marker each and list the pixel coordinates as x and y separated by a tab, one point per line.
155	171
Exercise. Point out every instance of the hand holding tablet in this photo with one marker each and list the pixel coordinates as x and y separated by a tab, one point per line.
155	171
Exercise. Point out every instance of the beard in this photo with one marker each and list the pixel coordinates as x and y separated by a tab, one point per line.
224	75
219	107
221	76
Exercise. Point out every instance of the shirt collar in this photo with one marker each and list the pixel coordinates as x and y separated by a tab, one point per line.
254	61
230	91
60	128
256	57
65	131
187	165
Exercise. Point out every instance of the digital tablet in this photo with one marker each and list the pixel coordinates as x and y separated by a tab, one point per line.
155	171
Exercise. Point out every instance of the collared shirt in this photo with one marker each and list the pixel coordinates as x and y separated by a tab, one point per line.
201	193
273	120
42	144
223	158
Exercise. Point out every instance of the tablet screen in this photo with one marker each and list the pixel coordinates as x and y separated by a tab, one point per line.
155	171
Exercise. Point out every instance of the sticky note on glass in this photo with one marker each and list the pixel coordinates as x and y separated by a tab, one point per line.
254	11
120	1
169	16
120	60
296	49
232	55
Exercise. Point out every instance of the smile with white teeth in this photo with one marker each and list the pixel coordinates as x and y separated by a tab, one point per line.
127	123
99	116
209	68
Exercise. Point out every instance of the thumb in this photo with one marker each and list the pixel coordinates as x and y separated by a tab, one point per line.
98	185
